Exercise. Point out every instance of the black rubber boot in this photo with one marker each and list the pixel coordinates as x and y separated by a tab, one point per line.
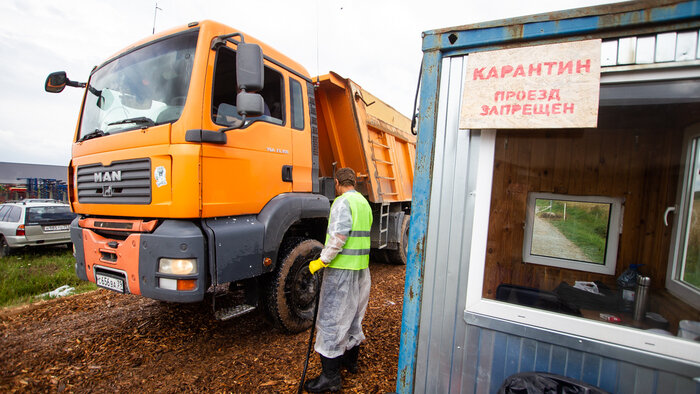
329	379
350	359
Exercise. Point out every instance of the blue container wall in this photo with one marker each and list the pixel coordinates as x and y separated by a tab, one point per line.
442	349
461	352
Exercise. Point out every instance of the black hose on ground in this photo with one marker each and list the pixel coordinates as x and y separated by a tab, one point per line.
311	339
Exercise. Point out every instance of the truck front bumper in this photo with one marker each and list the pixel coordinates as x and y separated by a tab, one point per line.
130	263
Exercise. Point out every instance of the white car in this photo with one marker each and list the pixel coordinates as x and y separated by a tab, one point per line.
34	222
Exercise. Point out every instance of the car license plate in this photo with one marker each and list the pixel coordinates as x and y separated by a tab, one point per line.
57	228
109	282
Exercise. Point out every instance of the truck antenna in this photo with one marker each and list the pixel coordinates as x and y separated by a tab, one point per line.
318	68
155	11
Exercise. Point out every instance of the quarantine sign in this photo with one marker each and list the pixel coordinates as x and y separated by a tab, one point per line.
546	86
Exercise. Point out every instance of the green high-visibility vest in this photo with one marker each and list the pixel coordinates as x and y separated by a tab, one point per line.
355	252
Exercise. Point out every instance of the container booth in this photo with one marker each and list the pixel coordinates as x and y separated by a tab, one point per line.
555	225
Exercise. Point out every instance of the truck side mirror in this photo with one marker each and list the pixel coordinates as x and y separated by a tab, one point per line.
249	67
249	104
250	79
56	82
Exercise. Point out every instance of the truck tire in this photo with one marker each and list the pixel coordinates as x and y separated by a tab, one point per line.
291	290
399	256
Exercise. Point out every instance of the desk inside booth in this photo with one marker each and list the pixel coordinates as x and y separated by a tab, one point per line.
607	305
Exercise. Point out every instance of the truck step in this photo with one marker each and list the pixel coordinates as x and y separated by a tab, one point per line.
383	226
234	311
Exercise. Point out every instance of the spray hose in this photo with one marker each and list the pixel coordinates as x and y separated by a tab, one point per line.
311	339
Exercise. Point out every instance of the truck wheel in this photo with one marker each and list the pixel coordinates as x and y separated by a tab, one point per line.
4	247
399	256
292	290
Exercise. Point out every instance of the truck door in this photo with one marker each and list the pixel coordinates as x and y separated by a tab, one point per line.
254	164
302	106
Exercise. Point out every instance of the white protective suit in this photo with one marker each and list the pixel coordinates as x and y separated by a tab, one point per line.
344	293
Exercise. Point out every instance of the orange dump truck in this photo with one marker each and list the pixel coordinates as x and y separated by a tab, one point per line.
202	165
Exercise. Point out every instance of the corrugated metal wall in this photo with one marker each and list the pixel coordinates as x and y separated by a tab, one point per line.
454	356
500	349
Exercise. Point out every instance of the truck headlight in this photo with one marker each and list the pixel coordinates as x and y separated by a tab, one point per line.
177	266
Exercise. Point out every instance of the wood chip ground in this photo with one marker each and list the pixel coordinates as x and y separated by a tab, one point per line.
107	342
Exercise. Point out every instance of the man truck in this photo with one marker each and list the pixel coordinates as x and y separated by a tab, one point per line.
202	166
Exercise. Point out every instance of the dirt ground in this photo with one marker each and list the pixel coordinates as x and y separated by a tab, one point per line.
103	341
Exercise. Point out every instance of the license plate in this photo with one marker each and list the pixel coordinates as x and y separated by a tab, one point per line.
57	228
110	283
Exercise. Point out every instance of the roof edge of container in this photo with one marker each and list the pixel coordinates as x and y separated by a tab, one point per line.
559	23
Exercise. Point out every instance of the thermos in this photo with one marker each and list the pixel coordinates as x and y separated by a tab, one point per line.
641	298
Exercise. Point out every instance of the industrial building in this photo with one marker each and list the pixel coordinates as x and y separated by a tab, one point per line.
19	181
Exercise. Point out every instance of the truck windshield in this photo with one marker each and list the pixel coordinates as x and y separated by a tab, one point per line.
144	87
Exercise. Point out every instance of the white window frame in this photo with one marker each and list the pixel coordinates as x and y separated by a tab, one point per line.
596	330
614	230
675	286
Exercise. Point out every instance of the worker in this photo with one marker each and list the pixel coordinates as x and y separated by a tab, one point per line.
346	283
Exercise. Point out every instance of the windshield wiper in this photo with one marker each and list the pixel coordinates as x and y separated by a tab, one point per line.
141	119
93	134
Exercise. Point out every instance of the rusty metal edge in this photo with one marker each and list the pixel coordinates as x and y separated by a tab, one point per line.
413	289
572	13
569	23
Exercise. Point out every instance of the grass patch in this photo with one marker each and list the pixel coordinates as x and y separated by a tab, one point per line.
691	272
28	272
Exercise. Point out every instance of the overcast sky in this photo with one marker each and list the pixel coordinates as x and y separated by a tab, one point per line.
375	43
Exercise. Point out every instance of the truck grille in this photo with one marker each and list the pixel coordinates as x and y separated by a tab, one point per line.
123	182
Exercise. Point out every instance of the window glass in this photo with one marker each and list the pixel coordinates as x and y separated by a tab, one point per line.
297	104
224	92
49	213
3	211
14	214
566	203
579	226
572	231
144	87
689	266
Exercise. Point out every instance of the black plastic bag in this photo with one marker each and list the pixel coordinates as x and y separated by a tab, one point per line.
545	383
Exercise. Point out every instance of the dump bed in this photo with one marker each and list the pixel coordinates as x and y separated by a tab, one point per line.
357	130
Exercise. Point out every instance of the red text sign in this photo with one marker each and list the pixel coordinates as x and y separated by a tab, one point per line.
546	86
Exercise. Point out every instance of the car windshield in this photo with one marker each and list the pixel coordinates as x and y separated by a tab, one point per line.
49	213
144	87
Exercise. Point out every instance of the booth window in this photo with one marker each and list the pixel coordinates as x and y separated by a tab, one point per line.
684	272
574	232
605	193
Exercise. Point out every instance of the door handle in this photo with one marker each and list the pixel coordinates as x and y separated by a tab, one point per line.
668	210
286	173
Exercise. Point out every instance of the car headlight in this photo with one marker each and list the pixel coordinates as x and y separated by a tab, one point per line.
177	266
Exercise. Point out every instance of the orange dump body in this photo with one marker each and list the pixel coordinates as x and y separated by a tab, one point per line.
359	131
